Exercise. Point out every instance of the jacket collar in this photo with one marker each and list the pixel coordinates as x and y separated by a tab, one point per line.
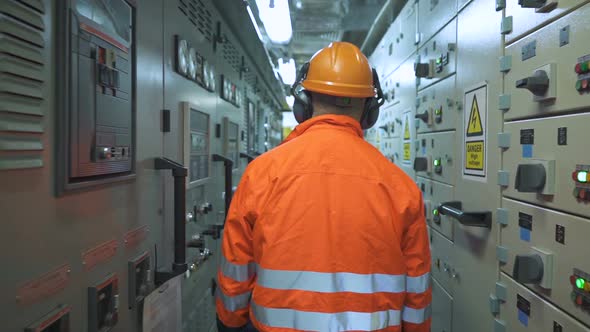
342	122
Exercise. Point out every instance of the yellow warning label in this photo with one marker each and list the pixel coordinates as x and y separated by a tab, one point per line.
474	128
407	152
474	154
407	129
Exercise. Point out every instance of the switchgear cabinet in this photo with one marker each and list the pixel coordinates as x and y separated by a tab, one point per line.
96	63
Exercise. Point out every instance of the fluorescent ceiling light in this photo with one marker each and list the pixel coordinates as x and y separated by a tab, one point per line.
288	71
253	19
276	20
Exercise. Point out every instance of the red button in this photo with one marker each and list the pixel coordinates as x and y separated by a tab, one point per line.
578	68
582	194
575	176
584	84
579	300
573	280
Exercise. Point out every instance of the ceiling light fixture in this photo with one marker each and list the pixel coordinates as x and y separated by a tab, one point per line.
276	20
253	19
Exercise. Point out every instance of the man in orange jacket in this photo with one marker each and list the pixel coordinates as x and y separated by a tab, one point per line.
324	233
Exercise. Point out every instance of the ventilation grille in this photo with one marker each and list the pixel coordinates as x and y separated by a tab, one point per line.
231	54
22	80
198	16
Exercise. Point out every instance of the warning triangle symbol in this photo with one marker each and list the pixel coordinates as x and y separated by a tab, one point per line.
407	129
474	127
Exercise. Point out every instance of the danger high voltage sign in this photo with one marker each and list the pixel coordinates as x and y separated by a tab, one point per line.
474	137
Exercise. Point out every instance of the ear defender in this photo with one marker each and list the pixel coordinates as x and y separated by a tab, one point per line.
371	112
302	107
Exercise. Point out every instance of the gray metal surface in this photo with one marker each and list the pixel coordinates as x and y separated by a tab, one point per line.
58	247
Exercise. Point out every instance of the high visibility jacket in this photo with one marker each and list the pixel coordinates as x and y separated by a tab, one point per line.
325	234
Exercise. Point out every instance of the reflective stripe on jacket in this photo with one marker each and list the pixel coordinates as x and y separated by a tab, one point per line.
325	234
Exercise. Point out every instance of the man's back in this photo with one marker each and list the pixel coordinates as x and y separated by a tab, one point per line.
336	236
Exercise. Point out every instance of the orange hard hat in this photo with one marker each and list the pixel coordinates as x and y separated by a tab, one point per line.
342	70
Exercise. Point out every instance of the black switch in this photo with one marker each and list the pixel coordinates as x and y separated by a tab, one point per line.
195	243
528	269
423	116
537	84
532	3
530	178
420	164
422	69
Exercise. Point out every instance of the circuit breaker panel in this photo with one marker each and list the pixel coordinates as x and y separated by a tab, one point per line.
134	112
490	123
97	62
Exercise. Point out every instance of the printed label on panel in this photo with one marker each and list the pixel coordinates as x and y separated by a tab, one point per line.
407	144
474	137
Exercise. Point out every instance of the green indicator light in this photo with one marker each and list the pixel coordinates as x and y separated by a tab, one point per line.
438	61
438	111
436	162
580	283
435	212
584	66
583	177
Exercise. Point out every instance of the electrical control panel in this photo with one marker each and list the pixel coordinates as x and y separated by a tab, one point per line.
443	262
434	194
437	107
403	88
543	164
549	72
381	59
435	157
231	136
96	97
546	244
140	279
404	42
442	308
196	150
437	57
521	310
98	100
525	16
433	15
496	118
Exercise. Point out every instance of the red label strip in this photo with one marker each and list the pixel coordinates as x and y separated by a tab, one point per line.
104	36
99	254
134	237
47	285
